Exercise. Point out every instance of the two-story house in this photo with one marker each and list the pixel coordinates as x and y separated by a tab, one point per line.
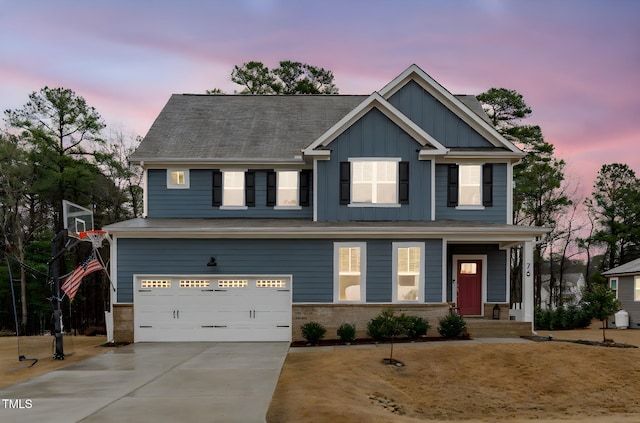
265	212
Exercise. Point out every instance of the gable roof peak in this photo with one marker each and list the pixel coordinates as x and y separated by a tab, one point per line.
456	105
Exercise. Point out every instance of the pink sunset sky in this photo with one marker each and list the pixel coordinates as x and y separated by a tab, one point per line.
577	63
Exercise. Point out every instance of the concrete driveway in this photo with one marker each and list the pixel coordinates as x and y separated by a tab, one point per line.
158	382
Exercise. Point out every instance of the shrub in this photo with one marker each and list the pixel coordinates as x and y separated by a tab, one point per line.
347	332
415	326
451	326
562	318
377	328
313	332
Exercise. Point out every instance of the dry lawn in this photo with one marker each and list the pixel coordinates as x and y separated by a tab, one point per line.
546	381
76	348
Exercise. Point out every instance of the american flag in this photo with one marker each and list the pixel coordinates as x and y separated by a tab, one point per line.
72	284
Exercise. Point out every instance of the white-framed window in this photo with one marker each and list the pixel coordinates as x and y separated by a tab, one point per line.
374	181
613	284
636	289
470	186
350	264
177	178
288	188
408	272
233	188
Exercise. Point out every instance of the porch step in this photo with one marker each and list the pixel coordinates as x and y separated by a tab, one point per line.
485	328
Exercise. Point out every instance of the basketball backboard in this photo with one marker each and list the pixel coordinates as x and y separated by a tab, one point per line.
76	218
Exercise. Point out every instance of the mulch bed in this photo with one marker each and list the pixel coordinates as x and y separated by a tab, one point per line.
580	341
369	341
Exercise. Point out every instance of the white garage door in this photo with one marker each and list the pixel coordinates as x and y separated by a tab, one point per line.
202	308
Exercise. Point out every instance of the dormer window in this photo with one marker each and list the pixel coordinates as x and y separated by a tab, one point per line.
177	178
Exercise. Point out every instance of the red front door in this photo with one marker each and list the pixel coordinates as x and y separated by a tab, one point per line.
469	276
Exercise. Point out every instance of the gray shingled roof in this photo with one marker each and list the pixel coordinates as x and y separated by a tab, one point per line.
633	267
476	107
227	127
247	127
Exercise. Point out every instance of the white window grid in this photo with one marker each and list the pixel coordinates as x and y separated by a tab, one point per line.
233	283
271	283
375	182
188	283
155	283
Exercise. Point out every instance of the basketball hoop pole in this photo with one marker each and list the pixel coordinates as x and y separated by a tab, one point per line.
58	248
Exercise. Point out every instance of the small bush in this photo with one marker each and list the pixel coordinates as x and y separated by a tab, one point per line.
386	325
451	326
347	332
415	326
377	327
313	332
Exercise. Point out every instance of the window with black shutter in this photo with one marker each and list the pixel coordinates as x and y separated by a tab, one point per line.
345	182
487	185
271	188
403	182
217	188
305	188
250	188
452	186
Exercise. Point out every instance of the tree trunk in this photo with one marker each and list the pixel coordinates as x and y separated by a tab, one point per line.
23	286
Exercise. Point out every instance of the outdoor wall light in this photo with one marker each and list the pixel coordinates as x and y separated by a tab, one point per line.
212	262
496	312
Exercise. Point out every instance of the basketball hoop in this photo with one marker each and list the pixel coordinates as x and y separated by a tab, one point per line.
95	237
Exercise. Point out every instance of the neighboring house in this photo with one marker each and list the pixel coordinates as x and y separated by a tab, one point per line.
625	281
265	212
573	285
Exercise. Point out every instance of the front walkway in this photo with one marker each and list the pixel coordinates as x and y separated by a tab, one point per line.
156	382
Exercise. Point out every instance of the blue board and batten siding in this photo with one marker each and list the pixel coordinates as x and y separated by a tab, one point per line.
309	261
435	118
197	200
497	213
374	135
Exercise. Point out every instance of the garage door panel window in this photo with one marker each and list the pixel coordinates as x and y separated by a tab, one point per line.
155	283
350	272
233	283
194	283
271	283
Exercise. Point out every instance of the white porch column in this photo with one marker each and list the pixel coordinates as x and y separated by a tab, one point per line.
113	278
527	282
